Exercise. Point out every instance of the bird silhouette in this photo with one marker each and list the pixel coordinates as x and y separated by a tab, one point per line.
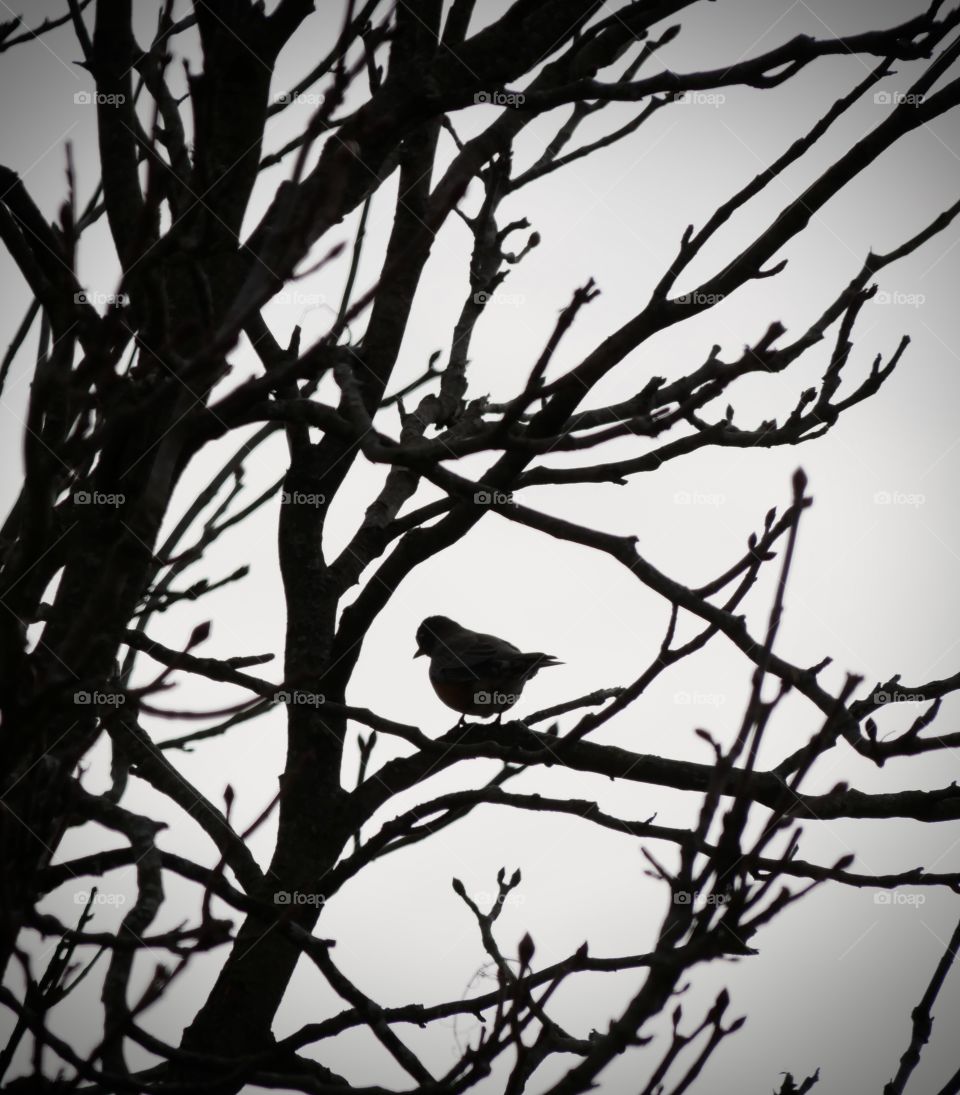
473	673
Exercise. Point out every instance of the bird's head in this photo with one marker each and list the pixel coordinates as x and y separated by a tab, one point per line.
432	631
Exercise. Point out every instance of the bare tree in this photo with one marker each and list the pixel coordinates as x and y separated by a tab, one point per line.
123	399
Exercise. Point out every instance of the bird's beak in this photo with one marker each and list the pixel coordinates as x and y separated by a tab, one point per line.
419	652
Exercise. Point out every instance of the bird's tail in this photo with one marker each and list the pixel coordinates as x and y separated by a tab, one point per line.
537	661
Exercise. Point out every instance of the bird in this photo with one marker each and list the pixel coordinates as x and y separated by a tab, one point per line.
473	673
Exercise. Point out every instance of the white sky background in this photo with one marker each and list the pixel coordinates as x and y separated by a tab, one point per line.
873	585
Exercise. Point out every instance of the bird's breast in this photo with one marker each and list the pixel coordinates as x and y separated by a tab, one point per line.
482	696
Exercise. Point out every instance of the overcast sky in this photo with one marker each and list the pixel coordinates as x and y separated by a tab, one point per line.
874	584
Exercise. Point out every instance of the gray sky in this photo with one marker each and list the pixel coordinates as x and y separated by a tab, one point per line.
873	586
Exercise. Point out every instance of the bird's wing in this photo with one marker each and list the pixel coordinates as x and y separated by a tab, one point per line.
470	655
